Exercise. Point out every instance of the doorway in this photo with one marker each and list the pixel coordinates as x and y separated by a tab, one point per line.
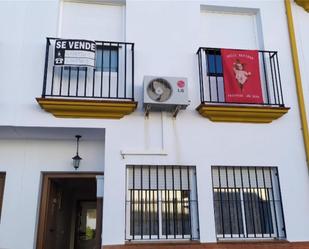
70	212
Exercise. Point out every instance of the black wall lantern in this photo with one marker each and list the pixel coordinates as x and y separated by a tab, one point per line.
77	158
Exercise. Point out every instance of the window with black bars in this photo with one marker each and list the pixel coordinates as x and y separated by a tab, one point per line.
247	202
161	203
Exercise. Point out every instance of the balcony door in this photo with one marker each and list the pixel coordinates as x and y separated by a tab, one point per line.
231	28
92	21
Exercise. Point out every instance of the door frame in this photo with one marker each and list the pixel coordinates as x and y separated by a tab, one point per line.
44	197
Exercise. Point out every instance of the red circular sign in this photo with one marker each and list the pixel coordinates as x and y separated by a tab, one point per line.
181	84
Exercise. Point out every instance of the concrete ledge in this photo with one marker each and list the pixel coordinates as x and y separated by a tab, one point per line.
79	108
243	114
273	244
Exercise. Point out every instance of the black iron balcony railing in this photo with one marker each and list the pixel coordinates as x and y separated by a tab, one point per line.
212	79
112	77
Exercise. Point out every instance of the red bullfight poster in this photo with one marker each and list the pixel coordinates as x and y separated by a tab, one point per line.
241	75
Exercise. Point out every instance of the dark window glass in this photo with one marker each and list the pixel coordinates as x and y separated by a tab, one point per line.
175	212
214	63
257	211
228	214
144	212
106	58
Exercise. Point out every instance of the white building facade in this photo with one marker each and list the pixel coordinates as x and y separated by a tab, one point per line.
204	176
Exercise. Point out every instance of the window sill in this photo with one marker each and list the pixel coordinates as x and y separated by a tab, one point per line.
163	242
241	114
82	108
251	240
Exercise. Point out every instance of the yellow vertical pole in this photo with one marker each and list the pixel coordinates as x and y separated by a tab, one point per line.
299	88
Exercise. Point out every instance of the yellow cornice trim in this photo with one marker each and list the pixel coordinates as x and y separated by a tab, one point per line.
299	88
68	108
242	114
303	3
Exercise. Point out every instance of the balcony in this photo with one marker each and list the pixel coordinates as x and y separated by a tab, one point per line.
105	90
303	3
216	103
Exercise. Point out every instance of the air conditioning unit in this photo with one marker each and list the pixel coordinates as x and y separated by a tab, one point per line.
165	94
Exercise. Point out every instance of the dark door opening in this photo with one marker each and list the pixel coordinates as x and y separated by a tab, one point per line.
85	226
70	213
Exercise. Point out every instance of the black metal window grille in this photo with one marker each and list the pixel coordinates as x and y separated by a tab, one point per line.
111	78
161	203
247	202
212	81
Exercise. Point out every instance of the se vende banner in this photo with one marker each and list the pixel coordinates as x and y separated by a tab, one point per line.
70	52
241	75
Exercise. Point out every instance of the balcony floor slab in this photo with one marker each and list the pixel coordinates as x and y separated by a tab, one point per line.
80	108
241	114
303	3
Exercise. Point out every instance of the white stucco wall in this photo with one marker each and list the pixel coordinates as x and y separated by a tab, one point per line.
23	160
166	35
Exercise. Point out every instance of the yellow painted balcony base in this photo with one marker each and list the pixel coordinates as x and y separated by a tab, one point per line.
303	3
242	114
77	108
